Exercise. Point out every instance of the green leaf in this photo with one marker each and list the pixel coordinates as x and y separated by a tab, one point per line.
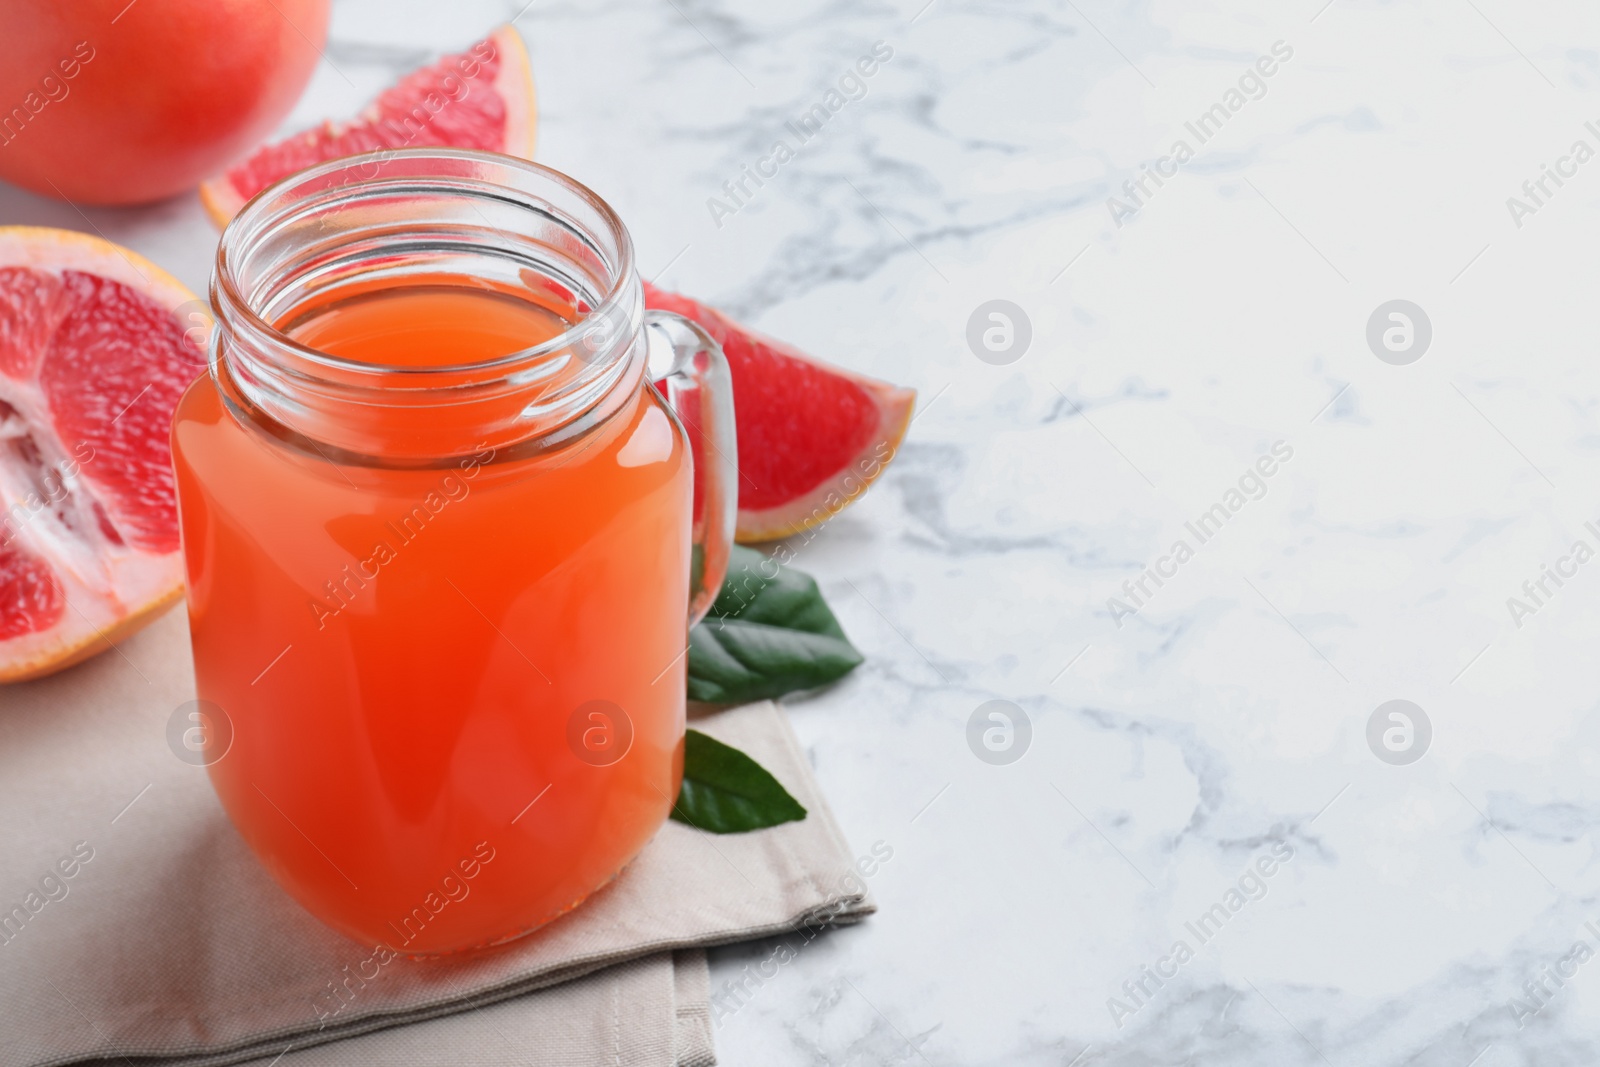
768	633
726	792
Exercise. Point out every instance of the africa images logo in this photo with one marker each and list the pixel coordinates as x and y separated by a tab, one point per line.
851	86
1251	485
1252	885
1252	85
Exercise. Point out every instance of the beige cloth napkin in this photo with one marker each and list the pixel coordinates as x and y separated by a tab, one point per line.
654	1010
168	942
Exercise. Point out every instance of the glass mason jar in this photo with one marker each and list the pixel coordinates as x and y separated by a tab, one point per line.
444	544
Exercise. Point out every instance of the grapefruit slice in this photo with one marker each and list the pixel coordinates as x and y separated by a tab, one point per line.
812	436
480	98
93	360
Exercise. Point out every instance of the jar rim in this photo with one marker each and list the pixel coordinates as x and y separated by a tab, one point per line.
389	215
265	208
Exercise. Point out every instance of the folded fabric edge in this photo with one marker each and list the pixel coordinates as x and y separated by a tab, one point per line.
693	1042
824	813
849	910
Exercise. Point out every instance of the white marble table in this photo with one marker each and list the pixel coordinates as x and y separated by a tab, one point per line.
1219	720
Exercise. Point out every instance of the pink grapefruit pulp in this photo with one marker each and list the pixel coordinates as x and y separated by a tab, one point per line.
812	436
480	98
93	359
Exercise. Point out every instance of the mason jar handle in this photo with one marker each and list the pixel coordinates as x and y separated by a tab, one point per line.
699	390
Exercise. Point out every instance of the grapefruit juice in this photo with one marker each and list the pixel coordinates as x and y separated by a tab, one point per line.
455	690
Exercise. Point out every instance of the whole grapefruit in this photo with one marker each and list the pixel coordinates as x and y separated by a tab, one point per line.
119	102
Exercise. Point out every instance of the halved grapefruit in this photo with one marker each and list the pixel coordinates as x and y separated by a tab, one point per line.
93	359
480	98
812	436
